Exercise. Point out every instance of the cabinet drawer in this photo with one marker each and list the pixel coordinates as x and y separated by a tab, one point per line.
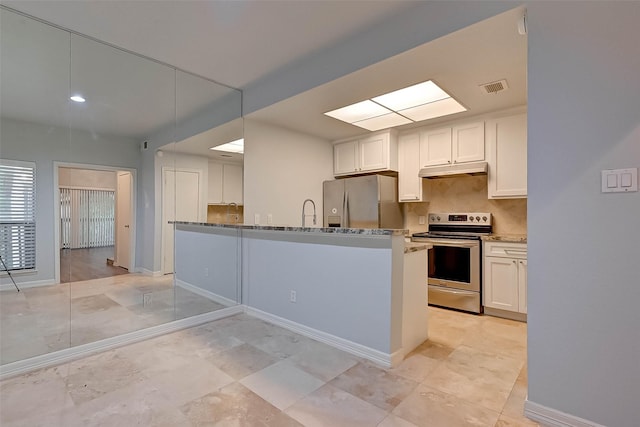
508	250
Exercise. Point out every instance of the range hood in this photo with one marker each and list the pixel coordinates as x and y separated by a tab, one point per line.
472	168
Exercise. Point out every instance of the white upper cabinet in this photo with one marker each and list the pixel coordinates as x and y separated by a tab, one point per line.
225	183
467	142
373	153
345	158
458	144
411	188
232	184
507	157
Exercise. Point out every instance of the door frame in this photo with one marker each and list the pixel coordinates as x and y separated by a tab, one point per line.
164	170
118	199
56	208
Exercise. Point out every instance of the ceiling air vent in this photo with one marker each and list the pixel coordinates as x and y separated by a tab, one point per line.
494	87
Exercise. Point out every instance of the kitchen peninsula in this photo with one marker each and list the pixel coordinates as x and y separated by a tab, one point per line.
361	290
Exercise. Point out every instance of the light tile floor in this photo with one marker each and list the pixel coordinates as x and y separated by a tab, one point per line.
49	318
241	371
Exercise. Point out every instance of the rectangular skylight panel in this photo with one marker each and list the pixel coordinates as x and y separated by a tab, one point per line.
359	111
382	122
412	96
435	109
236	146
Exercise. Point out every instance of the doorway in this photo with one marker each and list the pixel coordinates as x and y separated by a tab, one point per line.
94	222
181	201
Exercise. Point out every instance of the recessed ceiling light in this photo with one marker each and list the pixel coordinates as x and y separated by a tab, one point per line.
382	122
236	146
77	98
359	111
444	107
422	93
415	103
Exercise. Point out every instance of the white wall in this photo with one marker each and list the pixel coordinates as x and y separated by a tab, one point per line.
584	274
43	145
282	168
344	284
86	178
209	259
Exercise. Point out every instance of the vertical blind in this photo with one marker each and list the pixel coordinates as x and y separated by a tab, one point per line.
86	218
17	215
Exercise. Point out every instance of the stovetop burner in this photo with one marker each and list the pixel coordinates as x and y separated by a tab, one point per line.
469	225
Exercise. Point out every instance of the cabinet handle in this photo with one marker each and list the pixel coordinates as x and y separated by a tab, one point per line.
448	161
514	261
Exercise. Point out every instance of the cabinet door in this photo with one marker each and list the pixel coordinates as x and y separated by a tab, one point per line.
409	184
374	153
435	147
522	286
214	183
507	157
501	283
468	142
345	158
232	184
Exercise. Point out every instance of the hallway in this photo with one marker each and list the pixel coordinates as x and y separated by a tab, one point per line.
77	265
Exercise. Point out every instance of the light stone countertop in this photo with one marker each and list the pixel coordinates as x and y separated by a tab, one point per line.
507	238
359	231
415	247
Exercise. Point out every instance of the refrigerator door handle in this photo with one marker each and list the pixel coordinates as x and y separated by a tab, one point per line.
345	210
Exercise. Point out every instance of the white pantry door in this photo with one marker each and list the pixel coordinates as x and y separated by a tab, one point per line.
123	220
180	202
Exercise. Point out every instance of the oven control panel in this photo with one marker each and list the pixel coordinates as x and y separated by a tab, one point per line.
466	218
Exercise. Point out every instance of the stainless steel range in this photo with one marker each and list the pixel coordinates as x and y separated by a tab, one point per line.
454	269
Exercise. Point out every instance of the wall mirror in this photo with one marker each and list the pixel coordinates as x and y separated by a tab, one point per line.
86	189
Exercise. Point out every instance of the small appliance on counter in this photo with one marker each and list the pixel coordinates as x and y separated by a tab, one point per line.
369	201
454	270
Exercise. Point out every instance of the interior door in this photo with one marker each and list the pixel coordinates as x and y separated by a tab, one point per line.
180	202
123	220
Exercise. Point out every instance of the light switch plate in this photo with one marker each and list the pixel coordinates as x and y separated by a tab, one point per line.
620	180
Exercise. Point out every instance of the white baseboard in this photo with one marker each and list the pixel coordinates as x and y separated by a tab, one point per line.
26	285
69	354
384	359
206	294
148	272
554	418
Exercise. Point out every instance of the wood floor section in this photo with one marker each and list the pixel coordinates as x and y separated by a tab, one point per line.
85	264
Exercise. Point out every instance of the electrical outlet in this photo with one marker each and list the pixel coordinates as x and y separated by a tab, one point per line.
269	219
293	296
256	219
422	220
146	299
206	272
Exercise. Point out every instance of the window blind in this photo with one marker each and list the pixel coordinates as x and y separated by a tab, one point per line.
18	214
86	218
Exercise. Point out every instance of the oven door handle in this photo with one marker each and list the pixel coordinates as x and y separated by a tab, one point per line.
451	243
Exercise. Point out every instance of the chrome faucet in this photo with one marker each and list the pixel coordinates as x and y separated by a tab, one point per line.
229	209
314	211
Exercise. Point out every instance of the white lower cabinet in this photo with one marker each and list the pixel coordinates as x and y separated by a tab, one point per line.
505	277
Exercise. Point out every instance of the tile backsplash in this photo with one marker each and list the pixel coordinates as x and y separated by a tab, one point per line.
468	194
217	214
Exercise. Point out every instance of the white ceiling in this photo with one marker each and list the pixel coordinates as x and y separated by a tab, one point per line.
240	42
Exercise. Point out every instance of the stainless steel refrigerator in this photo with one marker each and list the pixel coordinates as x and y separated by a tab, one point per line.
369	201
